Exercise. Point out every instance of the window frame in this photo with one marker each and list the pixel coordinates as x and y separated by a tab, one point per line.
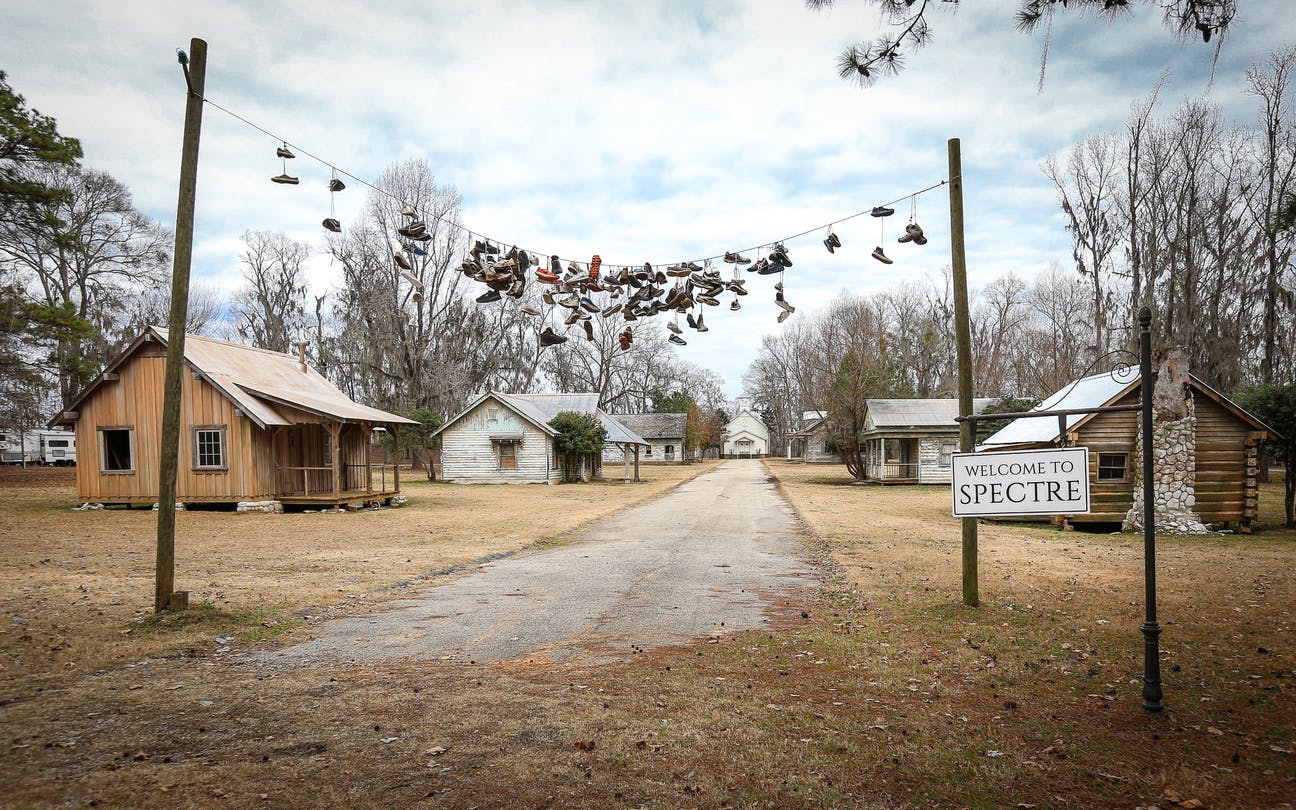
129	430
499	454
1108	479
195	448
945	458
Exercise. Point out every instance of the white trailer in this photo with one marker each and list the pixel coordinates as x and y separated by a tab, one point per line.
58	447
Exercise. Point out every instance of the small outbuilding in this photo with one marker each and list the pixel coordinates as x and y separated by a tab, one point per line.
1207	457
663	433
911	441
506	439
746	435
256	425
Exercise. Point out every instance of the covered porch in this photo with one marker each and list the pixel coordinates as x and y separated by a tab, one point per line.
331	463
892	459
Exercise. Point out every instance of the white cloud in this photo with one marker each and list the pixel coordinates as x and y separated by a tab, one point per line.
652	131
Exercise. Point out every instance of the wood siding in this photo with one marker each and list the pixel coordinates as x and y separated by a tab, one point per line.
1224	491
134	401
469	456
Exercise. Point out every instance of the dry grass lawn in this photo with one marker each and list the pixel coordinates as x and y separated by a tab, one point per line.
884	692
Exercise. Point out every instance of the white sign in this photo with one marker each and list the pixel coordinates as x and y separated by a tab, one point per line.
1022	482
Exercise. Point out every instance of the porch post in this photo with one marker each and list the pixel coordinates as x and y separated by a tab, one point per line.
636	478
625	458
367	432
335	431
395	432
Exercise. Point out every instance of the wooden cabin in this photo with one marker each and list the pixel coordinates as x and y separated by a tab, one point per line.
256	425
506	439
813	443
911	441
1226	448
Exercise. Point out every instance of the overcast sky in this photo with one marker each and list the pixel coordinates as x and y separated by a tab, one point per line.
655	131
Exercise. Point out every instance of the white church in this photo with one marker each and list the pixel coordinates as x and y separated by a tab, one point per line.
746	435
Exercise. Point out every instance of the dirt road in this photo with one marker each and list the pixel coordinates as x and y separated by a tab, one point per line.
709	557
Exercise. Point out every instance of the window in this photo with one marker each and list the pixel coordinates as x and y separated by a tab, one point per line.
209	448
1113	466
947	453
508	455
58	443
648	452
117	450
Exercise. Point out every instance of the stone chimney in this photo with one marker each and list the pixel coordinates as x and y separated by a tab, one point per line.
1174	452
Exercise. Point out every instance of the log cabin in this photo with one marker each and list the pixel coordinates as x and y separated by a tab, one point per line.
1214	463
256	425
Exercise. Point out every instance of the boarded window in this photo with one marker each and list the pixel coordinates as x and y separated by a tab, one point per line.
947	454
117	450
508	456
209	448
1113	466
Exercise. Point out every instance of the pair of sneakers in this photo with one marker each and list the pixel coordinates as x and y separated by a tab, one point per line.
913	233
832	242
285	178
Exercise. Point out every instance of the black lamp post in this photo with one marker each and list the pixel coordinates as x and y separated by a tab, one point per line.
1151	630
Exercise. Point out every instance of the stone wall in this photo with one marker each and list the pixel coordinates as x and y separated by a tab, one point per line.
1174	478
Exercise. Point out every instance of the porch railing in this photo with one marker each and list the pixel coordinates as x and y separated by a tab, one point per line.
883	471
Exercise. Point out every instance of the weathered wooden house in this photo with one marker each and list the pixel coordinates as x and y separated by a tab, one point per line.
746	435
506	439
911	441
662	432
256	425
1207	462
813	442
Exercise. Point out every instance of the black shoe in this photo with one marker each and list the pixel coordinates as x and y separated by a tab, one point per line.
488	296
692	322
549	338
735	306
286	179
677	340
881	211
336	185
333	225
589	330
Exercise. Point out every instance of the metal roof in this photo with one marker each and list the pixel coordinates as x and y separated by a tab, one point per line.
655	425
540	408
1087	392
260	382
911	413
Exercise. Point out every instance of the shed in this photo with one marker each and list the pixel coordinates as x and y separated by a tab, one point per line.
506	439
255	425
1214	467
912	441
662	432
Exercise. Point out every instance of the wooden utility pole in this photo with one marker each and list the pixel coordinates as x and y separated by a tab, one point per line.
963	341
195	78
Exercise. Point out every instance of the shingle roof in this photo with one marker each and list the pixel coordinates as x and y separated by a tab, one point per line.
655	425
260	381
897	413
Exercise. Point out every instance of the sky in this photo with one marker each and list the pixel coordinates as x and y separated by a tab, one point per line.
658	131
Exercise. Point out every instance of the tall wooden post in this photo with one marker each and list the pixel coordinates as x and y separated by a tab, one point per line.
963	342
168	461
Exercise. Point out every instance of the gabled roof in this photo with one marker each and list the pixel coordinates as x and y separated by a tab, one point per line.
538	409
1096	391
258	381
914	413
655	425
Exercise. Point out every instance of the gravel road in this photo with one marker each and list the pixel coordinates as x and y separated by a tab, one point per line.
706	558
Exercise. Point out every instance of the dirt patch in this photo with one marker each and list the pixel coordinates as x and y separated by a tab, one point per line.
886	694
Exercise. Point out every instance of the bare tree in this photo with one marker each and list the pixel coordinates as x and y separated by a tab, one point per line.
270	308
